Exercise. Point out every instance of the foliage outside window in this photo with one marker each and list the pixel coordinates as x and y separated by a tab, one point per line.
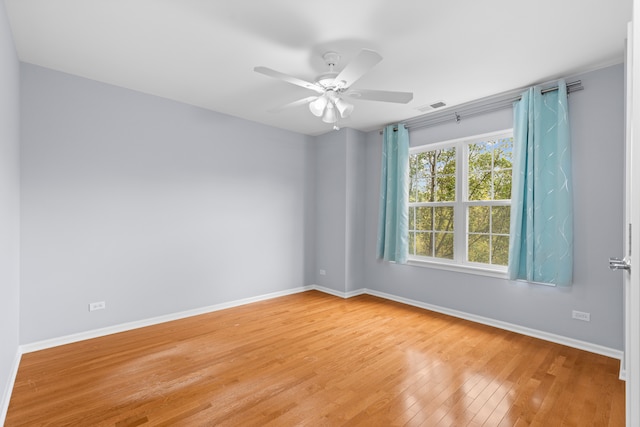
460	200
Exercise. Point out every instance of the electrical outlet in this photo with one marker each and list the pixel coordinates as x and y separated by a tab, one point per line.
322	272
581	315
93	306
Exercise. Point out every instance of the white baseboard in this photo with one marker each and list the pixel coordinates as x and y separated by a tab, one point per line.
547	336
95	333
570	342
6	395
339	294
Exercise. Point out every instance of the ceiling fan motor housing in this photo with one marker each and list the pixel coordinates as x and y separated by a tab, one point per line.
331	59
327	79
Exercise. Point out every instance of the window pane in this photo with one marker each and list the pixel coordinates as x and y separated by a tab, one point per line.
479	219
444	245
478	250
480	186
503	153
412	189
422	190
427	162
414	165
446	161
480	157
424	218
500	219
418	164
446	185
444	218
424	244
500	250
490	165
502	184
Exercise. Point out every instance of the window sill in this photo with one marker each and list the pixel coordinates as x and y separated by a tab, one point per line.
468	269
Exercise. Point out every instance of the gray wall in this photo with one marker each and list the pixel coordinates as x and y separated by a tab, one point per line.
331	199
9	205
153	206
597	127
355	209
157	207
340	173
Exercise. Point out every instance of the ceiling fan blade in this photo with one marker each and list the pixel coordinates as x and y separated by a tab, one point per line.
293	104
357	67
380	95
289	79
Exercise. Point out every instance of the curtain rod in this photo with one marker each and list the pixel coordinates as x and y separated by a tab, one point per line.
571	87
481	106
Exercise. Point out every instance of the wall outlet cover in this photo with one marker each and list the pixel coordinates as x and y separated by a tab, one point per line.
93	306
581	315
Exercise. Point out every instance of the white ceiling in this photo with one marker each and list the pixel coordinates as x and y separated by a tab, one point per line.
202	52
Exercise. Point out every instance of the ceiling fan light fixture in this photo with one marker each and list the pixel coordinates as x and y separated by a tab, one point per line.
330	114
344	108
317	107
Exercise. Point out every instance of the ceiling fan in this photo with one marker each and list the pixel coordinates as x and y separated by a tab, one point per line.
332	87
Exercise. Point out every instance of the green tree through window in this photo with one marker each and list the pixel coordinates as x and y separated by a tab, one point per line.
463	187
431	215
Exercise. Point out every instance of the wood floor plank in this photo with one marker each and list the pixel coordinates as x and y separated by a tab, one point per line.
317	360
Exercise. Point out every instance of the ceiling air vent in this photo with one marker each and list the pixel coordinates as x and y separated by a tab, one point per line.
430	107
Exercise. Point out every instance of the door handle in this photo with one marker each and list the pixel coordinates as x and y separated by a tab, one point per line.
619	264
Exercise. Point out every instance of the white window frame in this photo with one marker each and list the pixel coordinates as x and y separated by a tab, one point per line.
461	204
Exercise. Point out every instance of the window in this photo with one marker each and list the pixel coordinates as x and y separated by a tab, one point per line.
460	201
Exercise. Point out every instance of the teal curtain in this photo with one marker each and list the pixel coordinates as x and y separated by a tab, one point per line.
393	219
541	235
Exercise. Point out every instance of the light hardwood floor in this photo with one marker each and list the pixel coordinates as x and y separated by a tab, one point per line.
311	359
